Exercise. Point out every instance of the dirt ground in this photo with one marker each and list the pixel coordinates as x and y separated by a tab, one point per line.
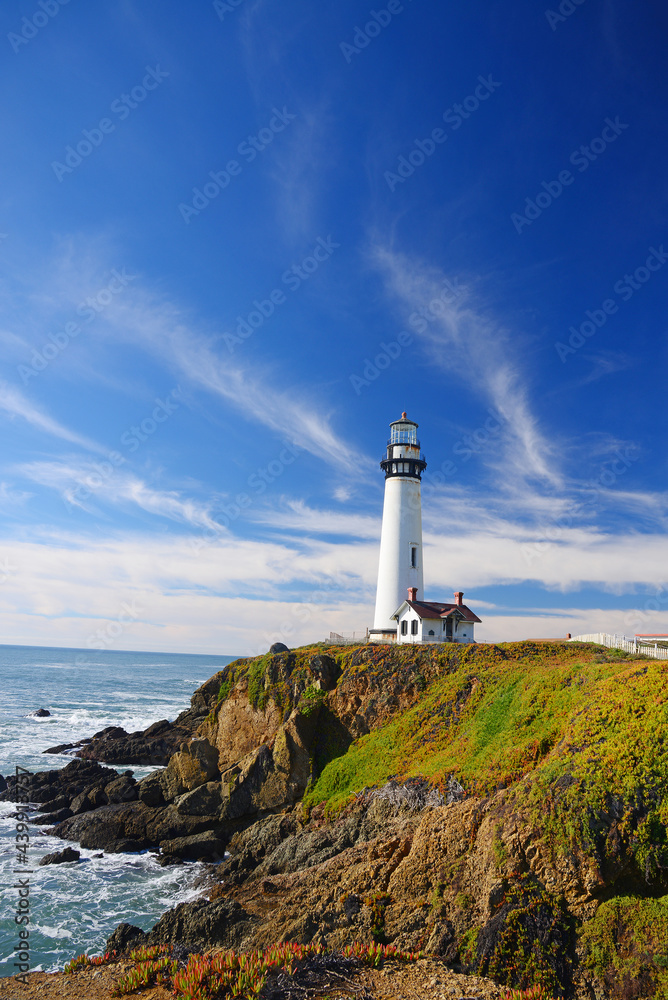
427	979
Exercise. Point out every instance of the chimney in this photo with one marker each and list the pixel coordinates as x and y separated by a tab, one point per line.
412	593
459	597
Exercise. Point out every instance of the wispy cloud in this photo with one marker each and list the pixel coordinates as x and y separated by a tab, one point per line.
11	497
461	338
13	403
81	485
163	329
177	339
295	515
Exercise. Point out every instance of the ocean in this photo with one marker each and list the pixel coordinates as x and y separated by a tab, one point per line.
74	908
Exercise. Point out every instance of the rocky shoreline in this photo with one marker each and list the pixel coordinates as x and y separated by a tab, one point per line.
457	874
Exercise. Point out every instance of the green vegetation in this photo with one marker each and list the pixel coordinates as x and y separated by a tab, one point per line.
272	677
529	942
226	974
566	715
378	904
577	735
626	946
311	699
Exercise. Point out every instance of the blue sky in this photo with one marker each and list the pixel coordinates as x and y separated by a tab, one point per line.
238	238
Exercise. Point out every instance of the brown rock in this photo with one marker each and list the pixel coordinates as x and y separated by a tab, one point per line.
189	768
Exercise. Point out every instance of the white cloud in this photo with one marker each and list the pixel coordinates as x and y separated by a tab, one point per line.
287	412
87	485
14	404
295	515
463	340
11	497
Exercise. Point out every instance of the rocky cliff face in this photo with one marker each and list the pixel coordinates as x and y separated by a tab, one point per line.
495	806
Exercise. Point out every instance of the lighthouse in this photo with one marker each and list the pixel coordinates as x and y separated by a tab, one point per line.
400	564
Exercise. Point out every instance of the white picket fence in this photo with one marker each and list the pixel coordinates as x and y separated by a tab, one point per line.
630	645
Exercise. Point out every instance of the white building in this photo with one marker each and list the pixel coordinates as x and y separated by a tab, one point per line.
431	621
400	564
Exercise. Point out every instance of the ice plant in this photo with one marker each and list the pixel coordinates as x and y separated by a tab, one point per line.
533	993
227	975
81	961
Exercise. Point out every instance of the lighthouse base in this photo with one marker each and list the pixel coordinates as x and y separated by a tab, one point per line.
384	635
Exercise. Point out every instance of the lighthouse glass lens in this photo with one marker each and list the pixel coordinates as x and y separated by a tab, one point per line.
404	435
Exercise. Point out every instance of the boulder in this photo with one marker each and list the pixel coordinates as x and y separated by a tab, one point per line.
278	647
125	938
269	779
60	802
84	802
122	789
168	823
207	800
50	819
154	745
41	713
109	828
149	790
191	767
201	925
61	857
206	846
326	671
43	786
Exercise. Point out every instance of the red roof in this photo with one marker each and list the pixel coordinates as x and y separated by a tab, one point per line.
434	609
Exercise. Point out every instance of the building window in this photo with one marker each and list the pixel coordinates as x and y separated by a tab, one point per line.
413	556
414	627
431	631
404	627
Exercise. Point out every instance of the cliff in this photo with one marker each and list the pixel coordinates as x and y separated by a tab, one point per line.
502	807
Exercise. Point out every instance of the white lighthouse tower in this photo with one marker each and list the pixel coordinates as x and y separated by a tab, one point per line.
400	565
